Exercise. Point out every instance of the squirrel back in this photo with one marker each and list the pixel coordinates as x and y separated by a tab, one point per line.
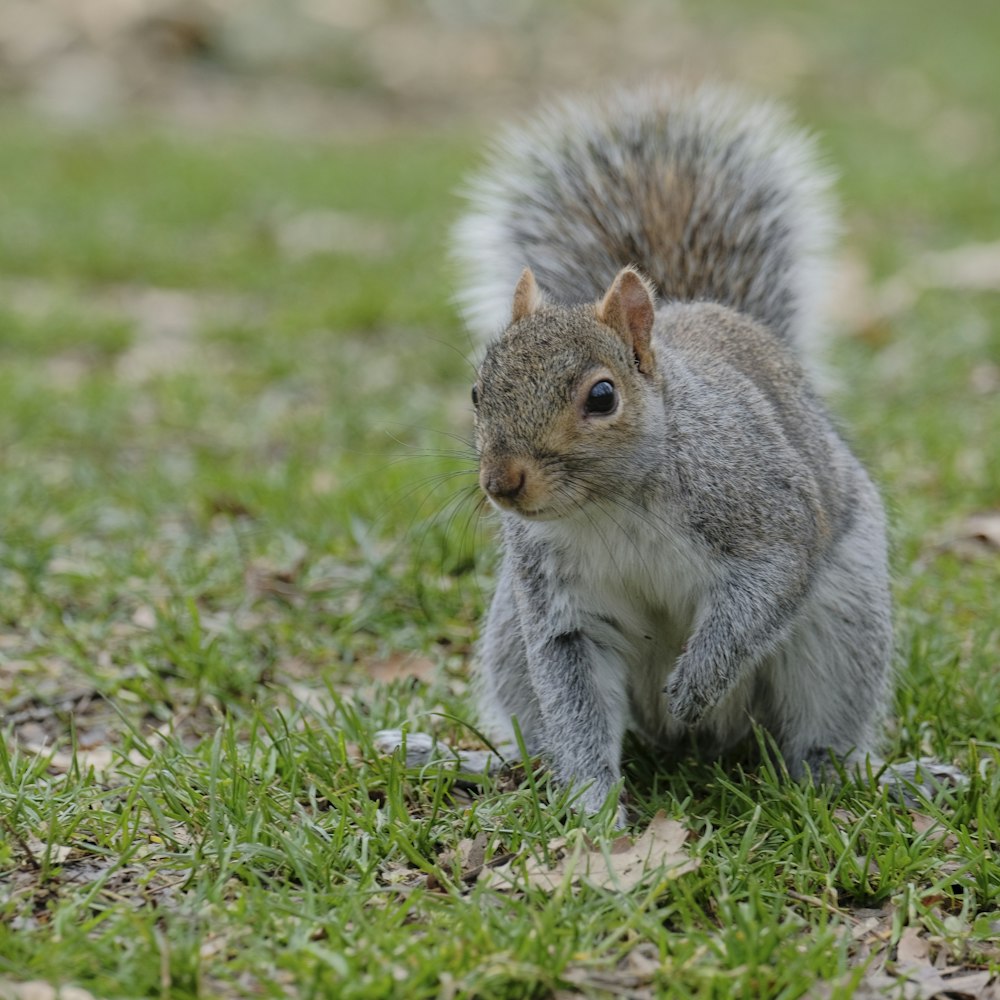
711	198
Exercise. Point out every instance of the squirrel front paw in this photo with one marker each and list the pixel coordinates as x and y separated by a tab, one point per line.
689	696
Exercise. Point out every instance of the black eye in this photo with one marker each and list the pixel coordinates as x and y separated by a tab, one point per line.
475	395
602	398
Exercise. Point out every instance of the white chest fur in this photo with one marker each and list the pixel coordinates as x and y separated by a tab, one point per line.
637	582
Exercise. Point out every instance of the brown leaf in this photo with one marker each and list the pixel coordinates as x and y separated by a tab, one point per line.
926	824
470	856
402	666
101	759
264	579
872	927
622	865
630	977
472	852
971	985
912	948
977	536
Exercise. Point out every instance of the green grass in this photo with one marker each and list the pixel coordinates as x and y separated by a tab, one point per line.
204	557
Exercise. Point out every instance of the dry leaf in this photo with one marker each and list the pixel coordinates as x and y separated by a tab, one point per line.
603	983
311	699
978	535
926	824
621	865
57	853
917	977
928	984
912	948
99	759
985	529
264	579
402	666
472	852
469	855
630	977
972	985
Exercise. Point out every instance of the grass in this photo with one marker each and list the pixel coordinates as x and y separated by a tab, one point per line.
231	497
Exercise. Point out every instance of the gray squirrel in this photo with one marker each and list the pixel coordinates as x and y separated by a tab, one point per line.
689	546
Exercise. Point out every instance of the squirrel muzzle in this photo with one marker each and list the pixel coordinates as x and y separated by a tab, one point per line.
503	481
512	485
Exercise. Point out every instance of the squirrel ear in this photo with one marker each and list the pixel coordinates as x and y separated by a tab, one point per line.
527	297
627	308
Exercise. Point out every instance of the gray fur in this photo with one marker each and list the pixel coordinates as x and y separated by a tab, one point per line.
709	196
723	561
710	554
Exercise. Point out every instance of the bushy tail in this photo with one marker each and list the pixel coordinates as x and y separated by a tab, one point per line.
712	198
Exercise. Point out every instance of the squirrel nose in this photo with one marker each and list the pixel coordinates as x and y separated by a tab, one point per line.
503	482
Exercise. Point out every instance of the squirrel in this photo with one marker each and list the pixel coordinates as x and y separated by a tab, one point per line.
689	545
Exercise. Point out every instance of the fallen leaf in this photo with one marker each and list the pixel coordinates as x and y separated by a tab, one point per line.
100	759
469	855
621	865
264	579
846	821
312	699
927	824
928	984
472	852
603	983
57	853
912	948
977	536
402	666
924	984
871	929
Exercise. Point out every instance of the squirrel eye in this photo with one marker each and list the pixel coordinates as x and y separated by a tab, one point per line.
602	398
475	395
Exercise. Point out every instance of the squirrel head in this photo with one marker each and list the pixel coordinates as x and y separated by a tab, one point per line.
565	399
